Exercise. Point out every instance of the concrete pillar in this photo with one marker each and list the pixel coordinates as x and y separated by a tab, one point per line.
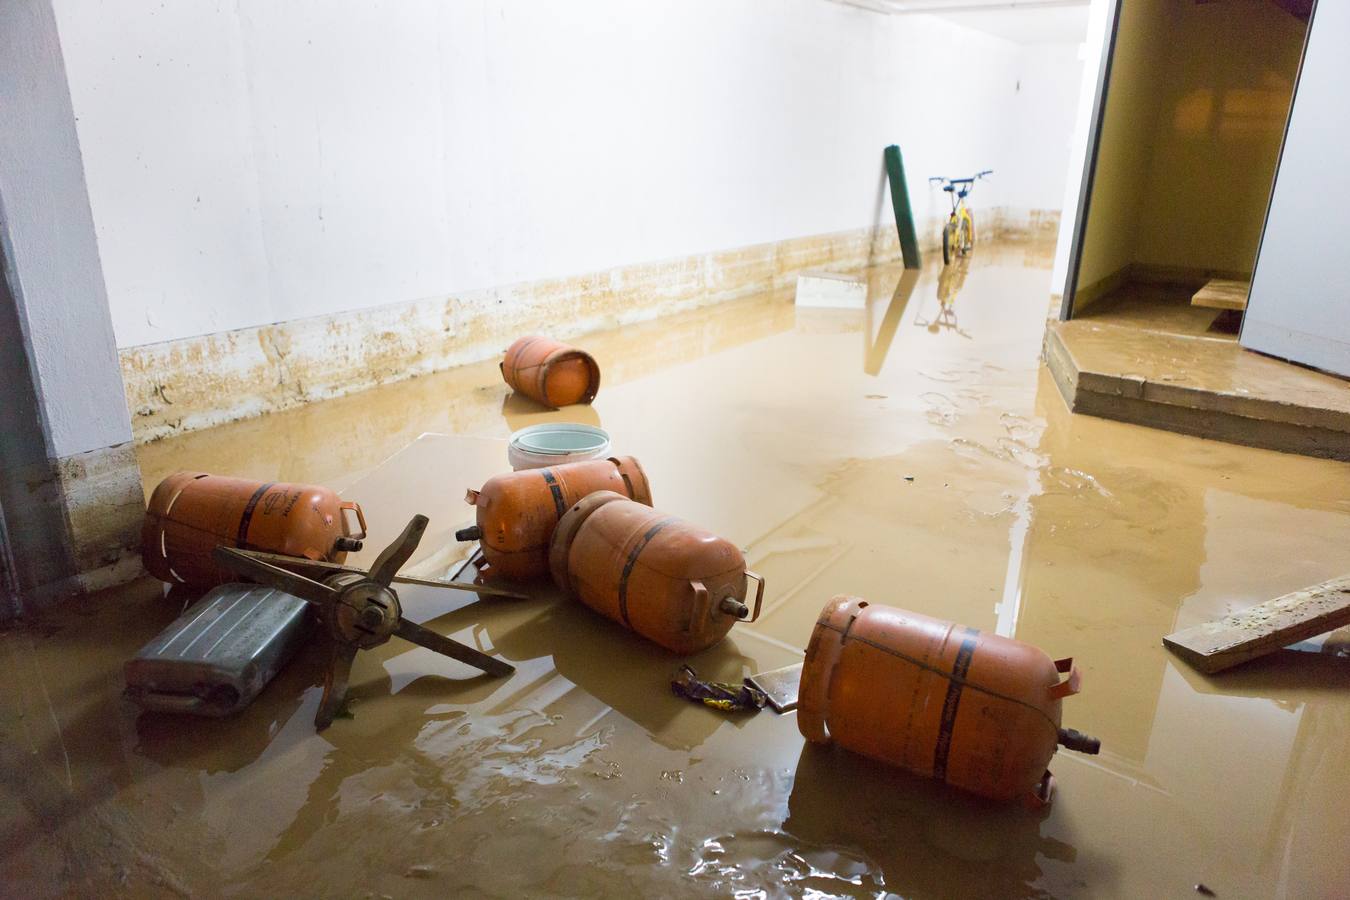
70	487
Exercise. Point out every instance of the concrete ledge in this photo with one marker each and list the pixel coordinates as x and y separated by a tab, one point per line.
1207	387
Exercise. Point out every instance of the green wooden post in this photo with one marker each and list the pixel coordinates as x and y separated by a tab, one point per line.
904	217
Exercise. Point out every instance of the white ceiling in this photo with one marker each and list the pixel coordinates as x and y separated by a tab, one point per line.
1020	21
1028	25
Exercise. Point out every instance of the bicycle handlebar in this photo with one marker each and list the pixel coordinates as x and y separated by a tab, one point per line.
961	180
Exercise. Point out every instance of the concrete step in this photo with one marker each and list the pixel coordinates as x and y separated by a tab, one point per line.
1209	387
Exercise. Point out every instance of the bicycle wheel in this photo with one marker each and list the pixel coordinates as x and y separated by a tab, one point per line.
970	231
949	244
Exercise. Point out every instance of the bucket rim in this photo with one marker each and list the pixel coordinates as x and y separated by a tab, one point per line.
588	439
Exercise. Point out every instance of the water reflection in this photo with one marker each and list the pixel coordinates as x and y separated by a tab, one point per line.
520	412
601	671
951	279
924	839
880	335
943	475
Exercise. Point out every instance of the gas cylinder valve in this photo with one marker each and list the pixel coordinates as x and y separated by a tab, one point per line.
1073	739
733	607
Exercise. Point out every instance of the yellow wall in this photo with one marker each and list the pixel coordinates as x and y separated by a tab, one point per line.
1230	76
1124	151
1195	114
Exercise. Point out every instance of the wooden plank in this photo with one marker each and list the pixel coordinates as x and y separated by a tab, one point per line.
1223	643
1220	293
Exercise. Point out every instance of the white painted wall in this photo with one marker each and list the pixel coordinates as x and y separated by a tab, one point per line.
48	234
1049	79
256	162
1299	307
1090	56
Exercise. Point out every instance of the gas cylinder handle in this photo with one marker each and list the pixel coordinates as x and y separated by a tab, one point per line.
759	593
353	506
701	610
1069	686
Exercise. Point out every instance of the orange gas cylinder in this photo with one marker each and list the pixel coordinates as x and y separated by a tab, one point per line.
978	711
668	580
518	511
554	374
191	513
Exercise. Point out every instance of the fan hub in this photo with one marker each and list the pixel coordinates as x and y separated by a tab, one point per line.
364	613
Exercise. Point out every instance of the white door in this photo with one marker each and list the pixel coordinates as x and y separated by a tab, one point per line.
1299	307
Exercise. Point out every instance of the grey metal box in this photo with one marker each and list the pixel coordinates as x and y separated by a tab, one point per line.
216	657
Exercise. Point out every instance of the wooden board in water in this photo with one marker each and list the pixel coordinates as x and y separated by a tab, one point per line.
1224	643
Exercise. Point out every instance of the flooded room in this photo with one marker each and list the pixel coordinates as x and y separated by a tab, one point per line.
815	448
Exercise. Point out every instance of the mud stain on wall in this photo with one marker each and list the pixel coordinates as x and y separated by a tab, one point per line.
198	382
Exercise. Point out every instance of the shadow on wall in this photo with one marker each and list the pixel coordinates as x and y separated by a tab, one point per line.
32	521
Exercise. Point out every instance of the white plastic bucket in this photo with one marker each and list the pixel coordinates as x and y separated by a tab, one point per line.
555	443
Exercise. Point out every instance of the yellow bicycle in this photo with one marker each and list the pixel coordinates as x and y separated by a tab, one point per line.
958	235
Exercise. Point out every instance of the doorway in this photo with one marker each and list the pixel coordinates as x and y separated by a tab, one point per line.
1191	115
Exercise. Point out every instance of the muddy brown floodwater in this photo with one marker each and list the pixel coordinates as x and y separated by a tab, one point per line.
916	454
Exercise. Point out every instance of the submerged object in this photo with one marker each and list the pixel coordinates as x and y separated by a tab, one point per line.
216	657
780	686
556	444
720	695
518	511
975	710
670	581
553	373
191	513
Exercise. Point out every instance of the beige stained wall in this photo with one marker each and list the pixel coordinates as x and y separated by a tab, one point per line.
1196	109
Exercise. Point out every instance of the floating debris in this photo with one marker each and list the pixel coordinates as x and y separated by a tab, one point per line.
717	694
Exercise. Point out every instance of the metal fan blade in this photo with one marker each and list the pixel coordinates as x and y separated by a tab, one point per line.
425	637
392	558
485	590
321	567
242	563
335	684
318	567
